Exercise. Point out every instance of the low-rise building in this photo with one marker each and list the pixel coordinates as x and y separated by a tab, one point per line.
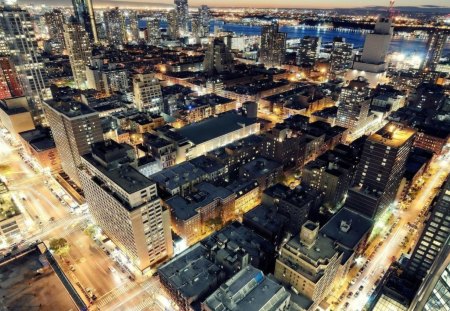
264	171
202	210
248	289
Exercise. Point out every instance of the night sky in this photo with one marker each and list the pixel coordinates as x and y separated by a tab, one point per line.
255	3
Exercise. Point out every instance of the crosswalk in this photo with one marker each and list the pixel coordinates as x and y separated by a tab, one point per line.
115	293
146	305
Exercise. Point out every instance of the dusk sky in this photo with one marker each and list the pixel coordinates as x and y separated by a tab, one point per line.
259	3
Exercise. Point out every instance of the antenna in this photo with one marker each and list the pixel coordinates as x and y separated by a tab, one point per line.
391	9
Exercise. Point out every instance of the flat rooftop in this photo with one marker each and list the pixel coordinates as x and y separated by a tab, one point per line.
70	109
186	207
248	290
358	227
393	135
175	176
214	127
23	289
8	208
126	177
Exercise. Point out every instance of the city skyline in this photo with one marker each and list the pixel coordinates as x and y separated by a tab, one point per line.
307	4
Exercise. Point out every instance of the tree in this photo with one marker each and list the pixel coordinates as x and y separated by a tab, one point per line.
91	231
59	246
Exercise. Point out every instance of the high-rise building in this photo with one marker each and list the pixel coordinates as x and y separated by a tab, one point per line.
341	55
308	51
273	46
434	235
10	85
147	92
309	263
75	127
379	173
182	12
18	41
376	47
434	293
55	22
133	25
153	32
79	49
84	13
204	17
218	57
436	43
125	204
174	25
354	104
114	26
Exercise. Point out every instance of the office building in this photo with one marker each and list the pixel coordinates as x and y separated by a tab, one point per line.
437	39
78	47
147	92
153	31
114	26
218	57
15	115
10	85
341	57
308	51
173	25
204	17
309	263
85	15
182	13
434	293
20	44
54	21
354	104
133	26
379	173
273	46
75	127
248	289
125	204
433	237
376	47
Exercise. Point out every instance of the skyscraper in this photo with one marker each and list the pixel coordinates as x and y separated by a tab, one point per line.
434	235
79	49
55	22
75	127
18	41
114	26
125	204
153	31
133	25
376	47
84	13
147	92
308	51
354	104
434	292
273	46
204	16
174	26
380	170
218	57
341	55
436	43
182	12
10	85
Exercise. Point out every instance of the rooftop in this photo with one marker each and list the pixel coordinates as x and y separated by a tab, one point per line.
187	207
248	290
71	109
347	227
40	139
214	127
260	167
8	208
393	135
175	176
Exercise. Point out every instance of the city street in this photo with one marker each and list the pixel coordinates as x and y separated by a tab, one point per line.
86	264
391	247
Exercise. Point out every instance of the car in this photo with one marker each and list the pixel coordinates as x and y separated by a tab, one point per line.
346	305
72	268
356	294
361	287
349	295
112	269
